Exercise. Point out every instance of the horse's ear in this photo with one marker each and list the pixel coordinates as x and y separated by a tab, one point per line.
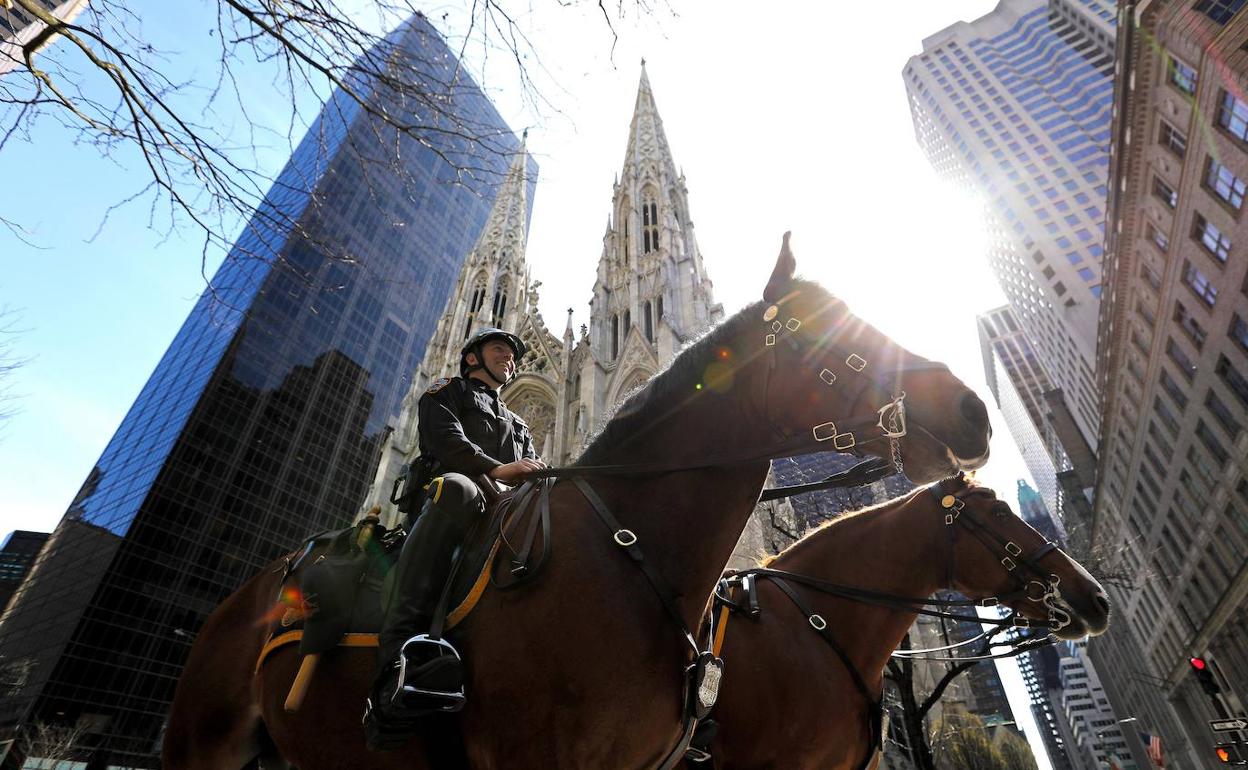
782	275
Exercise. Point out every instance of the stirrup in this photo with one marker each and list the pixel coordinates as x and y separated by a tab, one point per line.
414	696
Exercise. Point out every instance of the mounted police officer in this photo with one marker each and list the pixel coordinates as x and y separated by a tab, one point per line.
465	431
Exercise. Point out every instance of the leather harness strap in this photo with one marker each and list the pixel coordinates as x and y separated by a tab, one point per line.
627	540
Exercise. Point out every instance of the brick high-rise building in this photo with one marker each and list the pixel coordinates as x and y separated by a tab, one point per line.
1171	503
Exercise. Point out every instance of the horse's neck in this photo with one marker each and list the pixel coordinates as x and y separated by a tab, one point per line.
890	550
694	517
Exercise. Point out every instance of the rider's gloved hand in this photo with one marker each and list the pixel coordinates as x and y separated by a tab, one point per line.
511	473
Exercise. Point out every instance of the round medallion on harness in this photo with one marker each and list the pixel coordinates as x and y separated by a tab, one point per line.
771	313
947	501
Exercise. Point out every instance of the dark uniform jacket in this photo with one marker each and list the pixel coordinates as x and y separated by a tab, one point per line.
464	427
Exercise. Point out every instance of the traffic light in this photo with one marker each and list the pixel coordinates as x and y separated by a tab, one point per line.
1204	675
1230	754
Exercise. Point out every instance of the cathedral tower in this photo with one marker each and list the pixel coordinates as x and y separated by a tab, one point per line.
651	297
652	294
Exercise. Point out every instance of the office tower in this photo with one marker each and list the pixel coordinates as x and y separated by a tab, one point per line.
1018	383
262	422
19	27
17	554
1015	106
1040	672
1095	734
1032	510
1172	497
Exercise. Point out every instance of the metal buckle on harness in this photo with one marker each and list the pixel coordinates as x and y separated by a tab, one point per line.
843	441
989	601
817	622
793	325
625	538
828	376
1009	564
828	434
770	340
856	362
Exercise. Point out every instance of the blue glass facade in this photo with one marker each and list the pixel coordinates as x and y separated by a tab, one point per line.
262	422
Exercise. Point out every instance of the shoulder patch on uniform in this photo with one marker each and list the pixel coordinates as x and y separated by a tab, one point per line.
438	384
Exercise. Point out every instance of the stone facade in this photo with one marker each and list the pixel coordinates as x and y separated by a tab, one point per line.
651	297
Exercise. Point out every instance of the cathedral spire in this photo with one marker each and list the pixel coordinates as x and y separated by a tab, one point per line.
504	235
646	138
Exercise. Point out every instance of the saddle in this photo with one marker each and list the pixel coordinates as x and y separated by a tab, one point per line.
335	588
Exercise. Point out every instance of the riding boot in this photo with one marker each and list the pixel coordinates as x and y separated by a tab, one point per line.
417	675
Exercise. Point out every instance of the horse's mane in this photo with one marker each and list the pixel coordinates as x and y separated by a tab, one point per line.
672	385
849	516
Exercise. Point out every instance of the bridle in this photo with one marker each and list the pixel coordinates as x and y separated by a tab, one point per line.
845	364
1041	588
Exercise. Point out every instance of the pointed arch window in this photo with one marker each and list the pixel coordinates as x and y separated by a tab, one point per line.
650	226
500	303
628	321
615	336
648	320
474	305
659	307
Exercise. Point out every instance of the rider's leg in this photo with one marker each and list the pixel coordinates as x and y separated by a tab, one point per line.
423	567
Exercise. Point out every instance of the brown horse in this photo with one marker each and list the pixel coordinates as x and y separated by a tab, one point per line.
789	701
585	669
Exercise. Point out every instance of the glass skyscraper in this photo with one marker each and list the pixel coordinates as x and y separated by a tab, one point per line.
1016	107
262	422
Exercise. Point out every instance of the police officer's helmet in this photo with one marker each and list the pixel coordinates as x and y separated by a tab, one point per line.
482	336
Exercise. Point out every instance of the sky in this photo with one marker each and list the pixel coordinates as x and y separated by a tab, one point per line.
790	118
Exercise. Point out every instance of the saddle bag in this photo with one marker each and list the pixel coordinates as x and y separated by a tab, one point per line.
341	588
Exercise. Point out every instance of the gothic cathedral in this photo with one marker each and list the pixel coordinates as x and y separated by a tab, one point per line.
651	297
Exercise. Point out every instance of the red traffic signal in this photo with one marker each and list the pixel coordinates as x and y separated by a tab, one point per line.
1224	755
1204	676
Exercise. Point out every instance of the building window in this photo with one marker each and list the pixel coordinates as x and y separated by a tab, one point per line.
659	308
1179	356
1172	139
1167	418
1224	184
1233	379
1223	415
1233	116
1199	283
1220	11
615	337
1165	192
1211	443
1190	325
1238	331
649	320
1154	234
1181	76
1172	389
1213	239
650	226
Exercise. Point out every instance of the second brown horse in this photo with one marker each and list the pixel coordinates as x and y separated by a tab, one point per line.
788	701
